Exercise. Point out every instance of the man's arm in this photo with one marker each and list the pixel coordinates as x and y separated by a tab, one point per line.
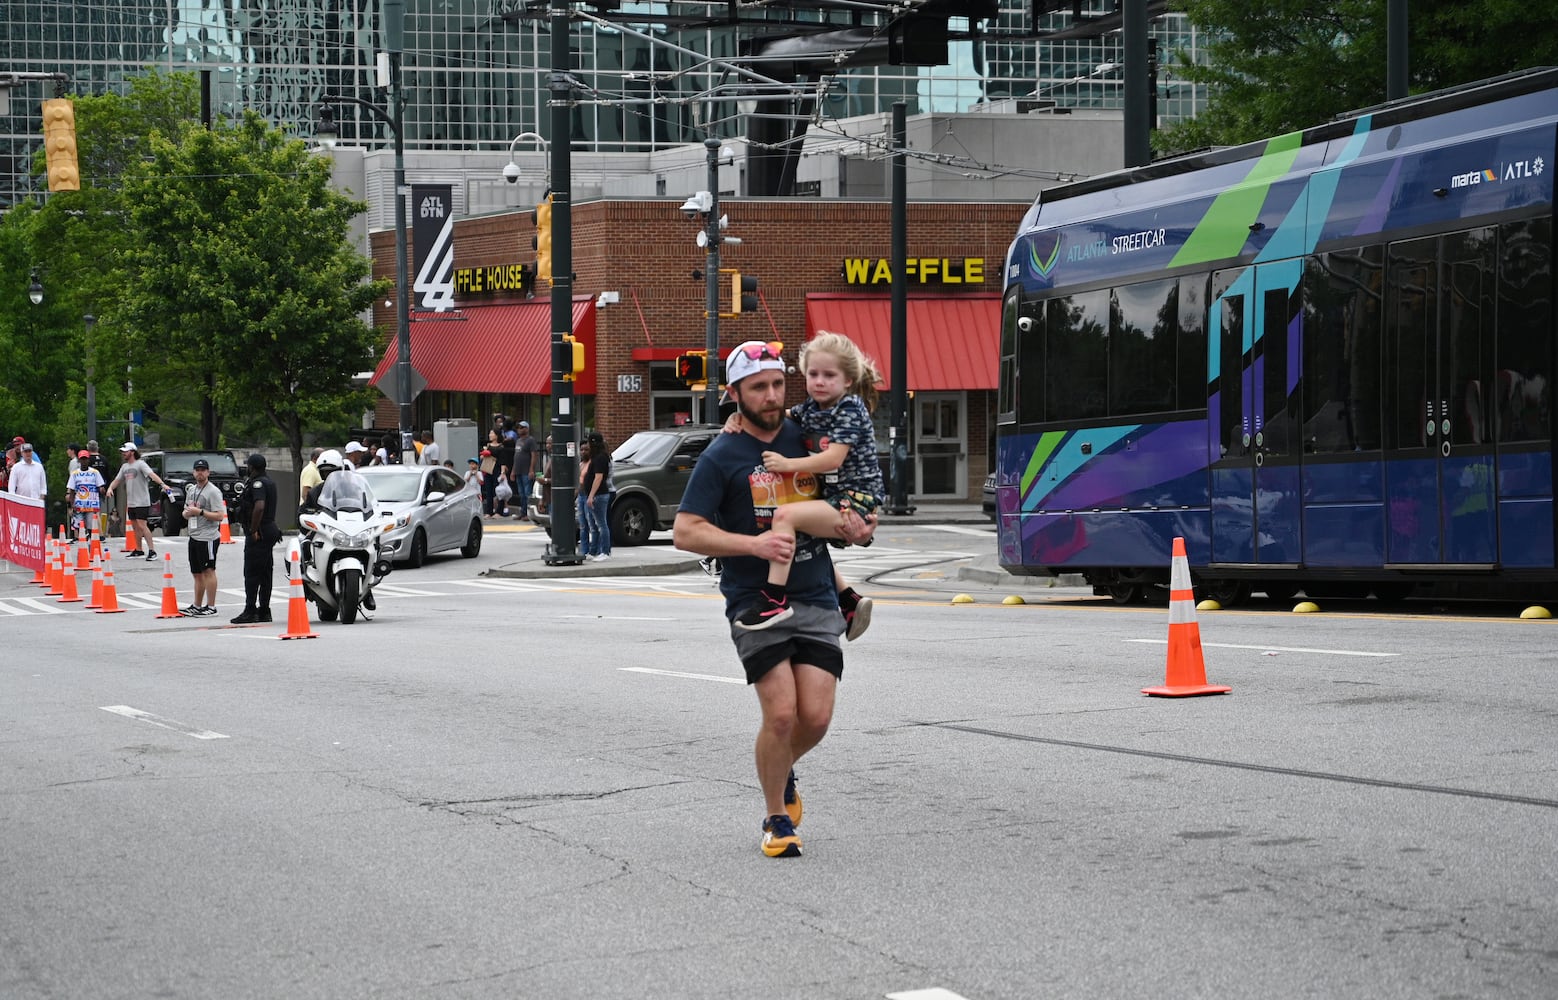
257	512
693	533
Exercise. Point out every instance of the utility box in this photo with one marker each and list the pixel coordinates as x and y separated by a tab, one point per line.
457	441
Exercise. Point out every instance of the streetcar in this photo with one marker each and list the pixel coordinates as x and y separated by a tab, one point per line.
1325	360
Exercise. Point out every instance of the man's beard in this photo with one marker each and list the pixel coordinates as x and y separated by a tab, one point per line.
768	422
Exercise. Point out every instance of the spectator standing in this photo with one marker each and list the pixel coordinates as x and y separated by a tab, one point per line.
545	476
136	476
27	477
431	455
795	666
581	505
204	509
505	454
489	477
526	448
86	493
260	537
309	477
473	474
599	488
13	454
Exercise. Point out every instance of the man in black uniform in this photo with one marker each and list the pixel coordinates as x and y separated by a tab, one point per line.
260	537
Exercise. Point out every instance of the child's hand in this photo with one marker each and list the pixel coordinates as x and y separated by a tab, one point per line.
775	462
733	424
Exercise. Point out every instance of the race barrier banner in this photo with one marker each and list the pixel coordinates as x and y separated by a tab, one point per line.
21	530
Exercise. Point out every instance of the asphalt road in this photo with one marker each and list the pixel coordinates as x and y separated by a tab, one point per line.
544	788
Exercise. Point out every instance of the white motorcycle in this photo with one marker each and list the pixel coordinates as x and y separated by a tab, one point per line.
341	561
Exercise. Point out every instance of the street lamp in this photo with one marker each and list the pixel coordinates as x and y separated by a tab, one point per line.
35	290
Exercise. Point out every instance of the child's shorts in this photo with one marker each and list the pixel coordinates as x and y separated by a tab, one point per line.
860	503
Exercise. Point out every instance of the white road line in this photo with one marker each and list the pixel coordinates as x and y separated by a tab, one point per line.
957	529
678	673
1275	649
157	720
934	993
620	618
397	590
40	606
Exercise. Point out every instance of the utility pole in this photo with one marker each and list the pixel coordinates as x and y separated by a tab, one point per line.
898	429
712	371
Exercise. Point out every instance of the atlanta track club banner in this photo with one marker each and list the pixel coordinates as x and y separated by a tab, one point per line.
21	530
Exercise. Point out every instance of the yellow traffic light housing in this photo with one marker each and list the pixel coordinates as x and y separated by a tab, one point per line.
542	241
692	367
59	144
743	293
575	357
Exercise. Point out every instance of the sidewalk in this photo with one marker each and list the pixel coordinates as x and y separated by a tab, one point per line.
661	558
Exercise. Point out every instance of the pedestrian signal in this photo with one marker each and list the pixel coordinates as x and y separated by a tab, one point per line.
573	357
542	241
692	367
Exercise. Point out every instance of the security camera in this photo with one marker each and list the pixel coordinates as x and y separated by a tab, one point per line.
1025	324
691	207
511	172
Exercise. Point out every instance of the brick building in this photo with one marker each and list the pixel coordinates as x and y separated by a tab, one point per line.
819	264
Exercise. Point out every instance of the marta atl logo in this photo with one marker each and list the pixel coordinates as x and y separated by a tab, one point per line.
1514	170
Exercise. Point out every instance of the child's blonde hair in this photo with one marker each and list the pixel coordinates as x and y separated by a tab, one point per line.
859	371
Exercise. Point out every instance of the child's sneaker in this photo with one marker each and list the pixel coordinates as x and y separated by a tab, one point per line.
779	838
857	619
764	613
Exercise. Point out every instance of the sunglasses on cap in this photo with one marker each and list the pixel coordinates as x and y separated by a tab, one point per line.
773	351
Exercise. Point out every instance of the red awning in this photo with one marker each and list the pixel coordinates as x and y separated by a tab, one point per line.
954	341
497	348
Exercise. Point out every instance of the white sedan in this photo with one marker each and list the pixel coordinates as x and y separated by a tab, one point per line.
434	511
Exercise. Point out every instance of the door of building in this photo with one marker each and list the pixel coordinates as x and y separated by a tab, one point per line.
940	443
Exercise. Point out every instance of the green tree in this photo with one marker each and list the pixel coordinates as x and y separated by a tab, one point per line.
242	267
1291	64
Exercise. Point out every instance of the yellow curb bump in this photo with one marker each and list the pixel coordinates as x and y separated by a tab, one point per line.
963	599
1209	605
1535	611
1305	608
1013	599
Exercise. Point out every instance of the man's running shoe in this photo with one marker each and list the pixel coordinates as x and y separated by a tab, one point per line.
764	613
208	610
193	611
857	619
792	799
779	838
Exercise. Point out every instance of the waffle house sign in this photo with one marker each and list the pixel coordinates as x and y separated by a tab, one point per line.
918	270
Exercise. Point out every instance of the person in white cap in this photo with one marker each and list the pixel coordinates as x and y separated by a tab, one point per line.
726	511
135	474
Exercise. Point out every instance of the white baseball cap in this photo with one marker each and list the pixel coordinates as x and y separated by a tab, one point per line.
353	447
752	357
127	446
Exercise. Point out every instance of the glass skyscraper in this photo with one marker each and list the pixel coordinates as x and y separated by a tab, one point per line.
475	71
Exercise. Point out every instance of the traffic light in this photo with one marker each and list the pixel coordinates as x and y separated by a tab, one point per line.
574	356
743	293
692	367
59	144
542	241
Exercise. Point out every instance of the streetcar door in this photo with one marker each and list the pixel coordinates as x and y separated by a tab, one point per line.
1254	314
1439	397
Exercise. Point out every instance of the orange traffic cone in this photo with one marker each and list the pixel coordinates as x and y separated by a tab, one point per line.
96	600
110	592
42	575
82	549
57	566
227	532
170	597
297	607
97	542
1186	668
131	543
68	593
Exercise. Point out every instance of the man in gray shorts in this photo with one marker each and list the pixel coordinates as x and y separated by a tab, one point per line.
204	509
795	664
135	474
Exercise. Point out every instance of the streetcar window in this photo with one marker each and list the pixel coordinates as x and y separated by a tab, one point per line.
1031	366
1076	349
1411	411
1144	321
1190	363
1525	324
1341	362
1229	313
1466	333
1006	387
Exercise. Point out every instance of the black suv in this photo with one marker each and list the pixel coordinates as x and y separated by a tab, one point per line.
177	469
650	470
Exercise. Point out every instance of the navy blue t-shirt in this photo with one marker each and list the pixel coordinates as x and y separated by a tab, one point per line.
730	488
